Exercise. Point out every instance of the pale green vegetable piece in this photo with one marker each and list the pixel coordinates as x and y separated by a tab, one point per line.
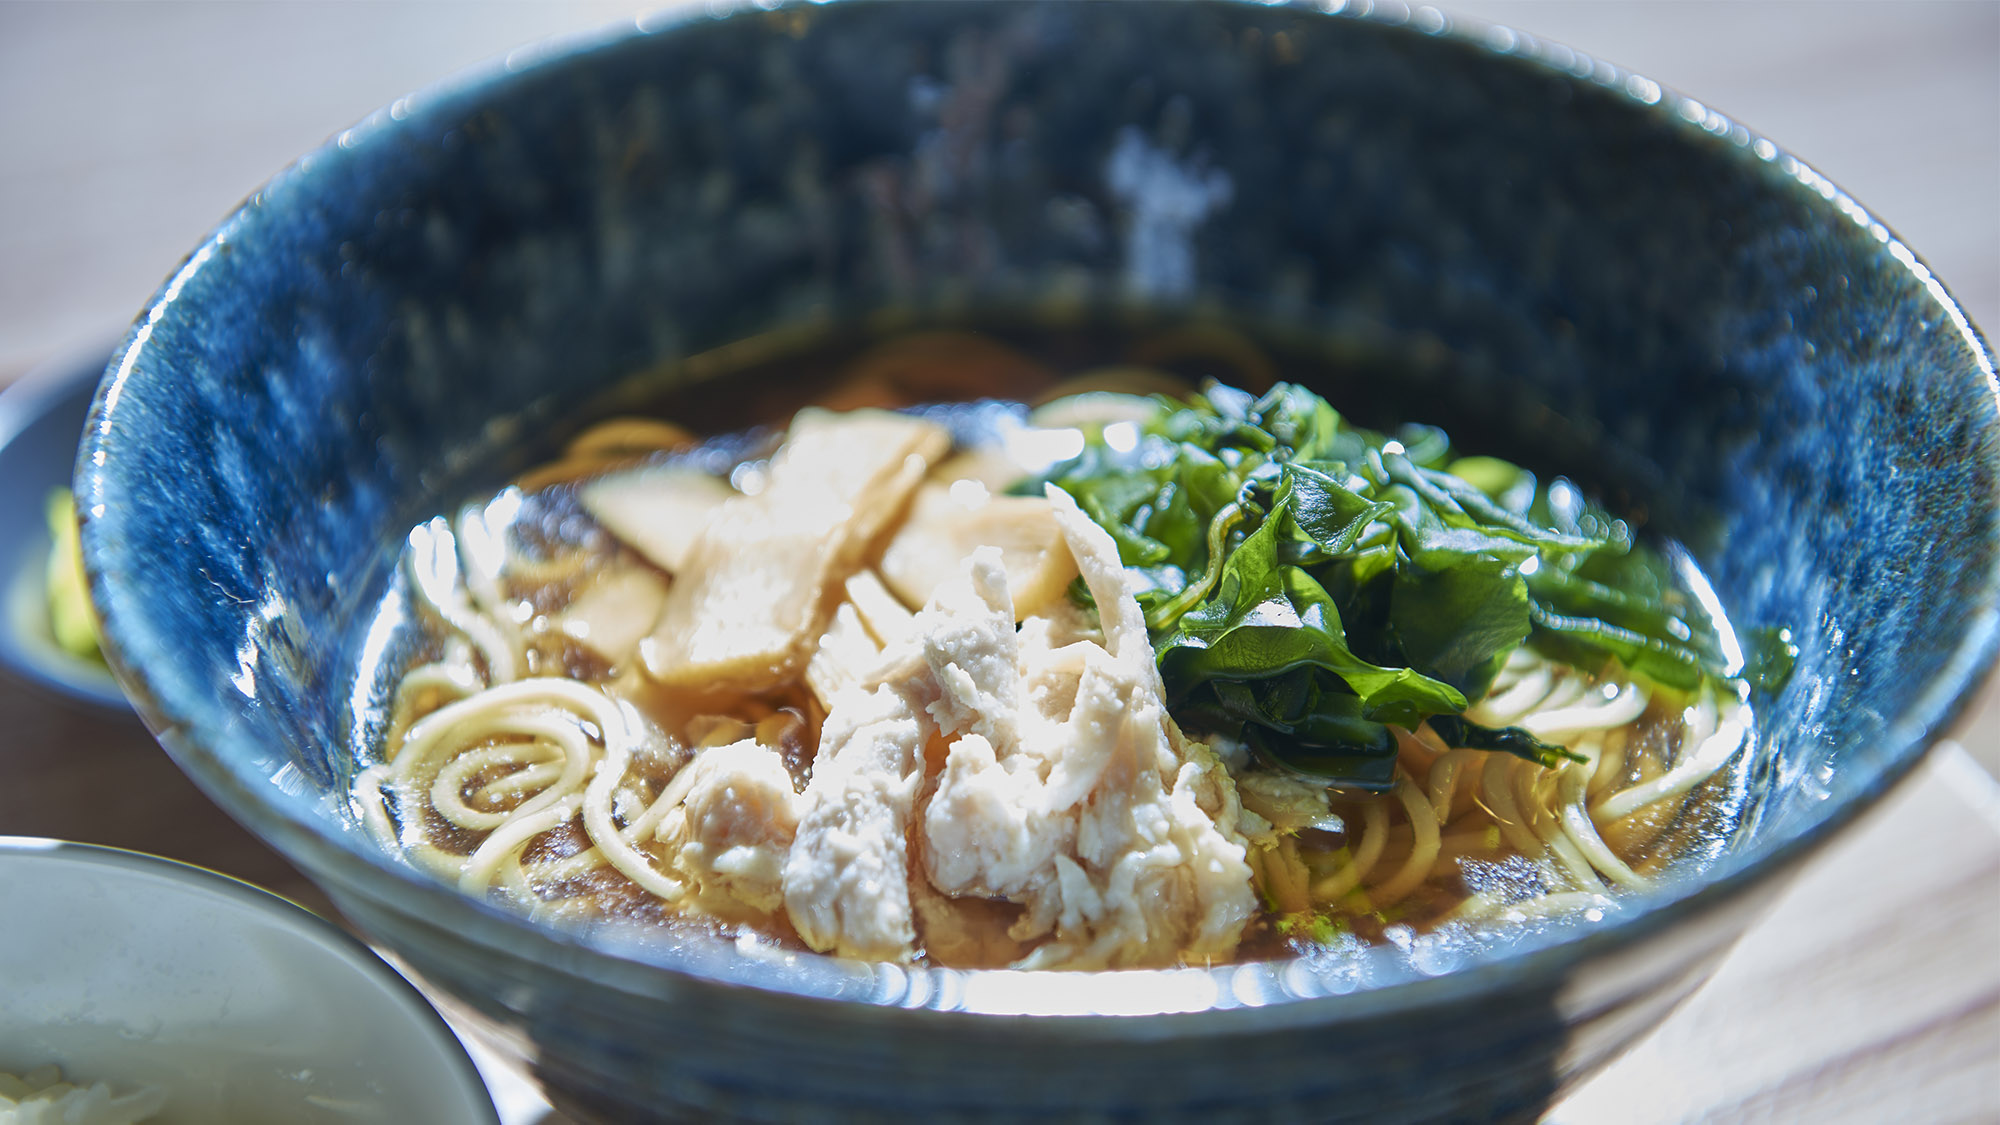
72	619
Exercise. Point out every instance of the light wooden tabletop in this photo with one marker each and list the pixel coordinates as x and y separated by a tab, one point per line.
1871	991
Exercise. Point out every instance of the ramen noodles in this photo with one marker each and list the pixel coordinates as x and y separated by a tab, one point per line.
1125	679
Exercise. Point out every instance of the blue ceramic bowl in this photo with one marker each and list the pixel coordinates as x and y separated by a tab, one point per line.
1552	255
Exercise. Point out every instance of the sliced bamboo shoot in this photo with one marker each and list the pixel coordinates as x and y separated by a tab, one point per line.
755	590
887	619
948	521
657	510
845	656
611	614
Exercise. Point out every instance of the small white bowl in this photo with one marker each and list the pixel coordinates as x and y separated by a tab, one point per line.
133	970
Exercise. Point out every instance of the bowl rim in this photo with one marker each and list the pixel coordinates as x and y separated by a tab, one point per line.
342	947
349	872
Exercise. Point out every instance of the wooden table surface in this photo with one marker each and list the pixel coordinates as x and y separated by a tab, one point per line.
1870	992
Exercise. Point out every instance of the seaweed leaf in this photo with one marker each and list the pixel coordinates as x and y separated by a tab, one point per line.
1308	583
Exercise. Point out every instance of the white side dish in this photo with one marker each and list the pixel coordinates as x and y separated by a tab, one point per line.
228	1003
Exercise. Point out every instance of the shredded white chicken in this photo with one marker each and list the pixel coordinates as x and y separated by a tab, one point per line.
1065	789
732	827
997	779
1116	833
996	773
846	880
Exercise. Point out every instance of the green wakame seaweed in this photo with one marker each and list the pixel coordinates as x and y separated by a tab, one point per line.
1307	582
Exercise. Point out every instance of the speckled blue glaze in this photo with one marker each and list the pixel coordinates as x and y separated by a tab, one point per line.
1567	264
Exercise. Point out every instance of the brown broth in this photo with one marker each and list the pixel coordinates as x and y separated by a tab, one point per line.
725	398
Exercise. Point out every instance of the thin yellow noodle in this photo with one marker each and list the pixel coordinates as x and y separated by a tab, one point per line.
482	582
436	860
1551	905
521	783
1471	781
524	571
427	731
509	839
1526	785
520	878
1588	745
1480	904
1568	688
1534	790
413	705
1443	780
1413	754
502	660
1286	878
1545	785
1520	664
448	787
1423	848
450	679
568	867
772	728
493	712
472	720
1582	832
1569	860
629	435
603	831
1374	834
1322	861
557	730
374	808
1610	761
1497	786
483	715
1506	707
454	675
1558	724
674	793
559	910
566	469
548	760
447	791
1480	842
705	731
515	882
1709	754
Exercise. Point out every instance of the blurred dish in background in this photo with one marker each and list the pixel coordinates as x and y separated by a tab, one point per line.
141	973
41	418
